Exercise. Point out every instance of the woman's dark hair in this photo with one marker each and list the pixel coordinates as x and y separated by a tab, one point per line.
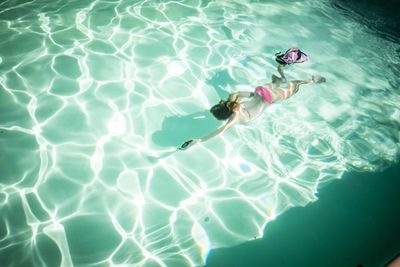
222	110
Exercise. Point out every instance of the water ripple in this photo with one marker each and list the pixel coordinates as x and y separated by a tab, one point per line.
97	95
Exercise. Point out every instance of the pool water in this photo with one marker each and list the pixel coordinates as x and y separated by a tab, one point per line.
96	96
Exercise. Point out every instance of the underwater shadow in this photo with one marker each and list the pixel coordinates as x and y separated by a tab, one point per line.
220	80
177	129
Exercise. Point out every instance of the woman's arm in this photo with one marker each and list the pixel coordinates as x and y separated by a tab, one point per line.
229	123
220	130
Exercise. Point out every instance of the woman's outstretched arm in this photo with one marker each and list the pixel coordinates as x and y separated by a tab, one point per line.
232	120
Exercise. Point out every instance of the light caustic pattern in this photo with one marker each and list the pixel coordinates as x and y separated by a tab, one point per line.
96	96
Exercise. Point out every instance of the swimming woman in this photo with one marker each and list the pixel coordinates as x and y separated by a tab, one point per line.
242	107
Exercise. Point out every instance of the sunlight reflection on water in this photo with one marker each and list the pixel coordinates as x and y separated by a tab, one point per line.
96	96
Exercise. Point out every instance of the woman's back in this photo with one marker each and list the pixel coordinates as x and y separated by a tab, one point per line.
251	109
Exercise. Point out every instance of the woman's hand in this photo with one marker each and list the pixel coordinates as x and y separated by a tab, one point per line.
189	143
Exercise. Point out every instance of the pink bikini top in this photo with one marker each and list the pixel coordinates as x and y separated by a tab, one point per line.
264	93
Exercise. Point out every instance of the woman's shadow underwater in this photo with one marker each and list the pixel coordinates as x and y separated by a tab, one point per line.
176	129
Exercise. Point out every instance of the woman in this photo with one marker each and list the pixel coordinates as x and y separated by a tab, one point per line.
242	107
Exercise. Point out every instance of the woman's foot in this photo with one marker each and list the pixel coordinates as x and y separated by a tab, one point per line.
318	79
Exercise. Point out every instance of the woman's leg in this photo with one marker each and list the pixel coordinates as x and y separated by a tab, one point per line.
276	81
294	86
281	68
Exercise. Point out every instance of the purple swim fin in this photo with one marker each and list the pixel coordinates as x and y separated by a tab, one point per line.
291	56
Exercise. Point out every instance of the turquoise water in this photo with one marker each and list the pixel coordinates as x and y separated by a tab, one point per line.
354	223
97	95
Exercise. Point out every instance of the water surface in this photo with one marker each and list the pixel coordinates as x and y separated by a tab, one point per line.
97	95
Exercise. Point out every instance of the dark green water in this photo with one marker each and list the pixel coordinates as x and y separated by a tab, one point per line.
355	222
